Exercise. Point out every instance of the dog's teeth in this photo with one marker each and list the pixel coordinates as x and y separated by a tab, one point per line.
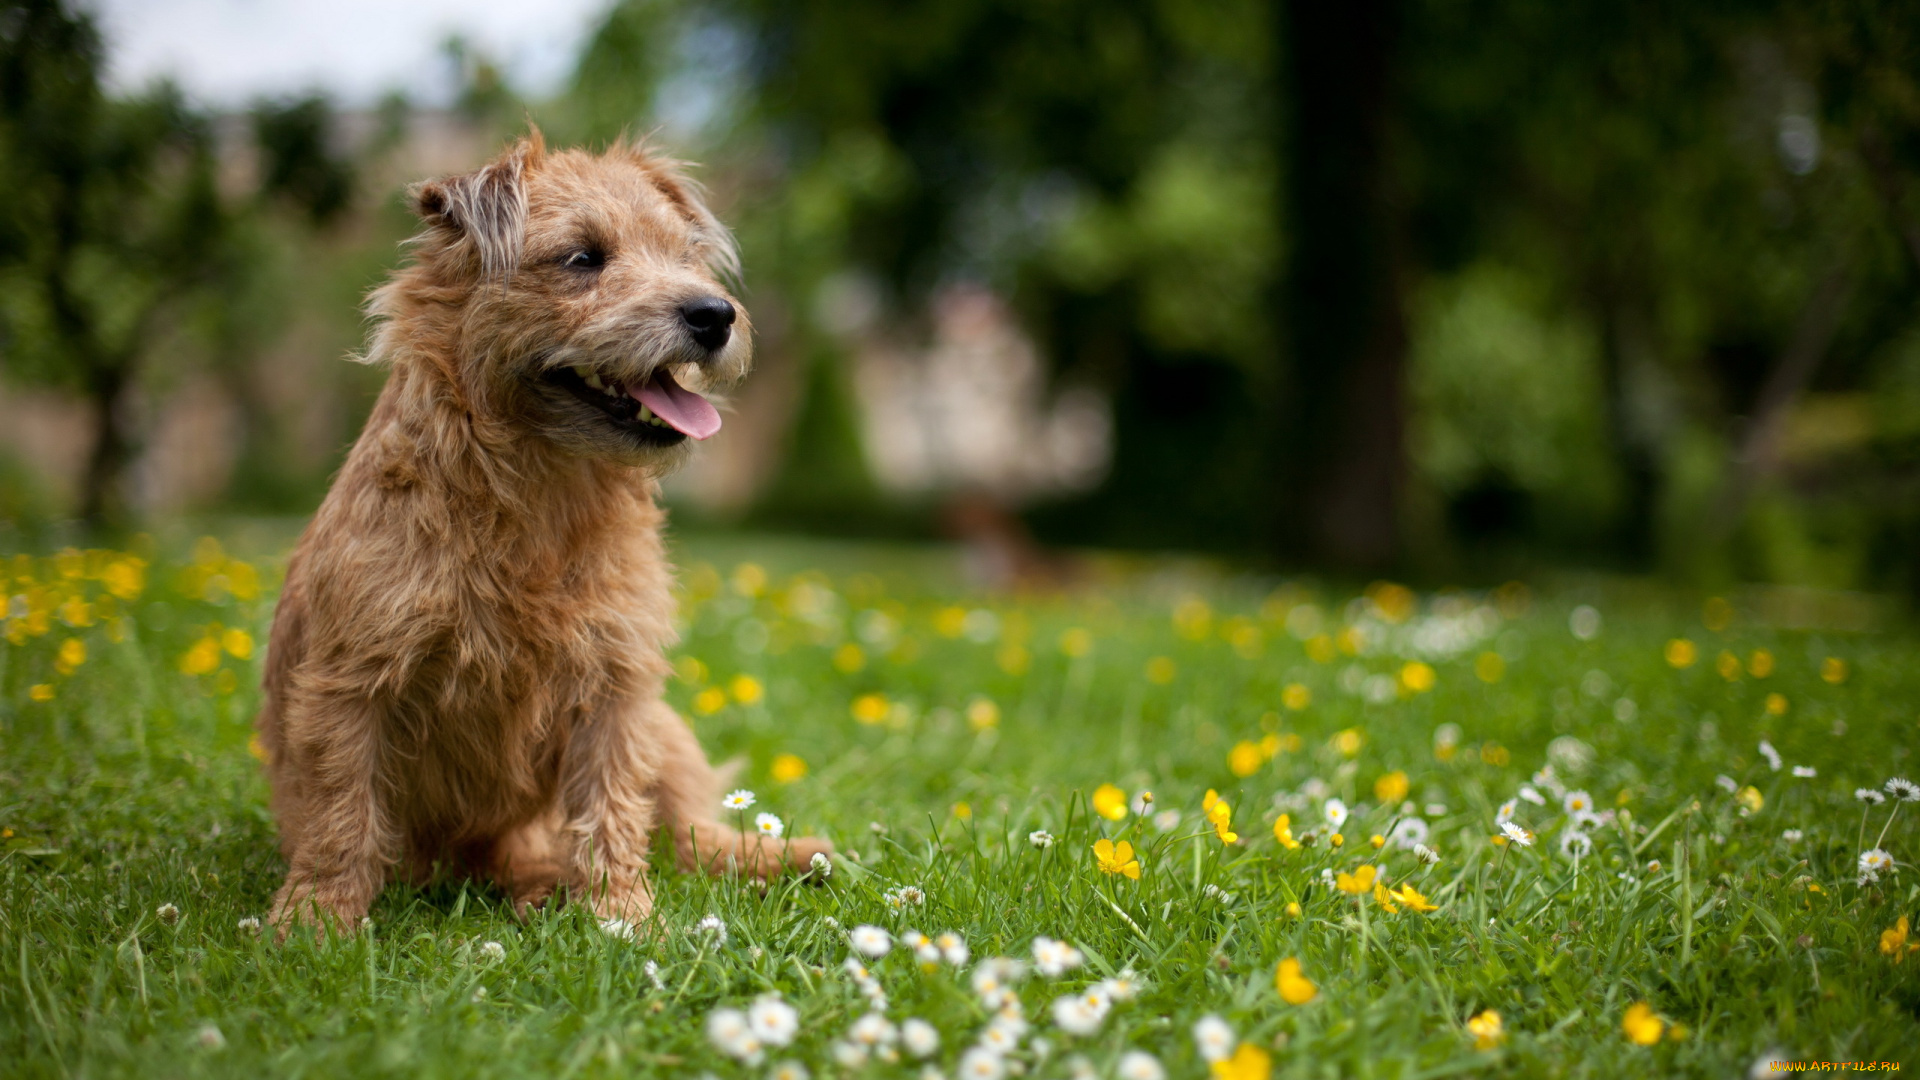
646	413
593	380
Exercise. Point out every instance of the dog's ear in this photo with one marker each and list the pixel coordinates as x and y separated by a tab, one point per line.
486	208
714	239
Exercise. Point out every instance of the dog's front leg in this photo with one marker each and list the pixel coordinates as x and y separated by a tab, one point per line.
610	814
346	843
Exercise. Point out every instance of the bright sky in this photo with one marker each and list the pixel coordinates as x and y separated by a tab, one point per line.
227	52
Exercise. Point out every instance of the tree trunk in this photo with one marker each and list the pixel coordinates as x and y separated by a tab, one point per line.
1342	448
102	498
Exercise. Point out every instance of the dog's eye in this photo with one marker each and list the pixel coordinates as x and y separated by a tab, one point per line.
585	260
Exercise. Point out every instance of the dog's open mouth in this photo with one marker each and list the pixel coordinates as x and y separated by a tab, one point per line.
659	410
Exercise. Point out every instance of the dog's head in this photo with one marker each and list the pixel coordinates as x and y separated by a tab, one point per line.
590	299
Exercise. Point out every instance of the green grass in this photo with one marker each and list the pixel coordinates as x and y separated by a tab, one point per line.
132	788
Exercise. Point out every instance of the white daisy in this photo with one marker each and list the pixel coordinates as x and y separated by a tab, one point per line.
1875	861
493	951
873	1031
769	824
995	978
849	1056
1869	796
1805	772
1577	802
1336	812
1213	1038
1727	783
1528	793
1040	838
980	1063
1773	756
738	800
1425	854
1517	834
617	928
733	1036
820	864
953	948
1140	1065
1079	1067
870	941
774	1022
789	1070
653	975
1792	836
1054	958
251	925
210	1038
1505	813
1575	844
1903	789
712	927
1409	833
1122	987
1082	1013
1002	1037
920	1038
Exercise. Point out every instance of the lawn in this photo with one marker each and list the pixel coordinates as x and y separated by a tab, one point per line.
1677	900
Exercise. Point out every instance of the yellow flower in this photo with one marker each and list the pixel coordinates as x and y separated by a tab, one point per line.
746	689
1110	802
788	767
1377	841
690	670
1833	670
1076	642
1728	665
950	622
982	714
1249	1062
1207	800
1412	900
1487	1031
1760	664
870	708
1336	839
238	643
1014	659
1320	649
1296	697
1750	798
1161	670
749	579
73	653
1491	667
202	657
255	747
40	691
1293	909
849	658
1681	653
125	578
1384	898
1893	941
1283	832
1193	619
1115	858
1777	704
76	612
1716	613
1642	1025
1221	815
1358	882
709	701
1392	787
1417	677
1245	759
1295	988
963	811
1269	745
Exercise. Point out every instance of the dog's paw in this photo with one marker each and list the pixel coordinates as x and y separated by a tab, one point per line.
316	908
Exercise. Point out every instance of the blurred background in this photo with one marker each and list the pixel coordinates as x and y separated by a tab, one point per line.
1450	289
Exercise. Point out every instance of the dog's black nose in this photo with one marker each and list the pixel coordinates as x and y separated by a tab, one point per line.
710	320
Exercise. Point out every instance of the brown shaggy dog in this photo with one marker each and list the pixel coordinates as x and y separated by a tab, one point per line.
467	661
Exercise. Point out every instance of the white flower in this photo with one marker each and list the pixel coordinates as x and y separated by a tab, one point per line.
873	1031
1040	838
1869	796
731	1034
1409	833
1040	1048
1727	783
1167	820
1002	1036
1773	756
251	925
849	1056
1215	892
1054	958
210	1038
167	913
980	1063
769	824
1425	854
493	951
774	1022
617	928
995	978
1517	834
1792	836
789	1070
1577	802
1140	1065
1505	813
1336	812
1903	789
1435	809
1122	987
912	895
871	941
1532	796
1082	1013
1805	772
1213	1038
653	975
1575	844
953	948
920	1038
1875	861
1080	1068
738	800
713	927
820	864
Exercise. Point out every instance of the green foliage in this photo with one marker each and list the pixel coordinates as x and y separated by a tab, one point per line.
131	789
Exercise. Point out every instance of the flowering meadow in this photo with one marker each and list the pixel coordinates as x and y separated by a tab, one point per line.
1172	823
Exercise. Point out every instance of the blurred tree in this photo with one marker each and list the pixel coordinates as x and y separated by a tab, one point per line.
113	225
297	160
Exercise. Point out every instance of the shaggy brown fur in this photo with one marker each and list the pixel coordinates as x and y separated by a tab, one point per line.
467	661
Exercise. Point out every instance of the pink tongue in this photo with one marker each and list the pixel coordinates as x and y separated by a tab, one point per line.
686	411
